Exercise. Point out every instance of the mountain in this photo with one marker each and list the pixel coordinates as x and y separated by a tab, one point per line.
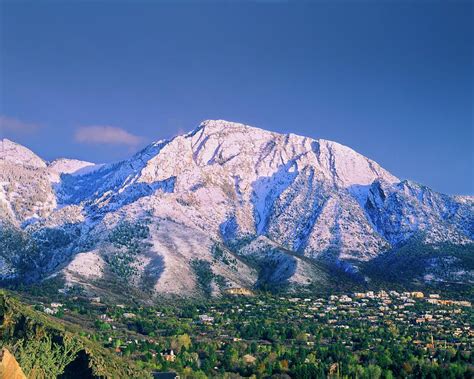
226	205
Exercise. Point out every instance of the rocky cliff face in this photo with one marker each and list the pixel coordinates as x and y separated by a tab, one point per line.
226	205
9	367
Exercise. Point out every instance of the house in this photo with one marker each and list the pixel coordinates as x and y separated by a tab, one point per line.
168	355
382	294
345	299
205	319
50	311
56	305
105	318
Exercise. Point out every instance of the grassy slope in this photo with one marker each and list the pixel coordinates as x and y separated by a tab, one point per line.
19	321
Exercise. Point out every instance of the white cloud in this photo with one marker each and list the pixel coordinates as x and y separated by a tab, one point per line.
10	124
99	134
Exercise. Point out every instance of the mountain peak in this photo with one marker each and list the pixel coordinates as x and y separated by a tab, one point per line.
62	166
68	166
228	127
222	124
19	154
263	151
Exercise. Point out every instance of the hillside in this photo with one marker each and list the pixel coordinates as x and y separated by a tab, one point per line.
47	348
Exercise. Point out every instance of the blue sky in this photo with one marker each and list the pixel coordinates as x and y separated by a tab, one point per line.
98	80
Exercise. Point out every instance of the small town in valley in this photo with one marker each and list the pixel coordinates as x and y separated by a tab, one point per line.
249	333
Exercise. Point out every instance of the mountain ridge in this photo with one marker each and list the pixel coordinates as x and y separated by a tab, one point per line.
227	185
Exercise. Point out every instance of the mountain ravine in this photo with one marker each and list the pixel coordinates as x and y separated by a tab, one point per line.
224	206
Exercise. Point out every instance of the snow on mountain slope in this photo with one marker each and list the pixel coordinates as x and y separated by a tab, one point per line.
243	173
25	190
234	186
69	166
406	208
18	154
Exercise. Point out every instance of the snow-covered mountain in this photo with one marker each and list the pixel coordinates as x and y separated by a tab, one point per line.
226	205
